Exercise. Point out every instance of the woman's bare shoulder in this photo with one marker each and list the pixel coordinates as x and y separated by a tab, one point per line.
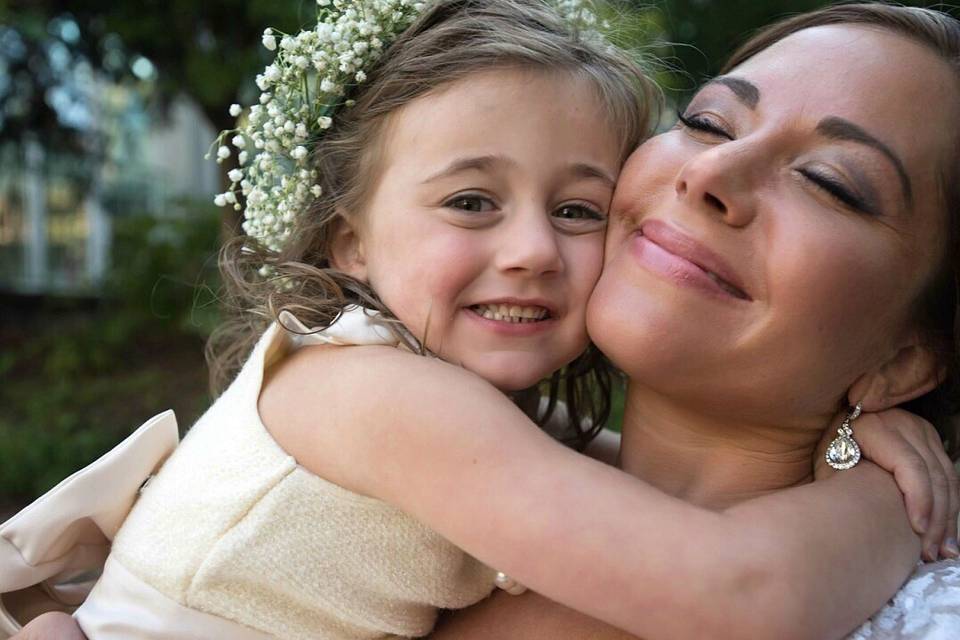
526	617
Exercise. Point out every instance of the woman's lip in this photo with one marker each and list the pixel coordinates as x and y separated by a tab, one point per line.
670	252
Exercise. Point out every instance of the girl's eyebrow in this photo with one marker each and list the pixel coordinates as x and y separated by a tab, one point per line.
589	171
470	163
489	162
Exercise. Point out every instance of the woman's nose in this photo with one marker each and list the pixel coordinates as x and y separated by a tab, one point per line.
529	245
719	182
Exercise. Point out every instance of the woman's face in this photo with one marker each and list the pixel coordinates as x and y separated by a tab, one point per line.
768	251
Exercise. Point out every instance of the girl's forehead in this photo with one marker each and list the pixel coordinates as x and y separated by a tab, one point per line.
514	112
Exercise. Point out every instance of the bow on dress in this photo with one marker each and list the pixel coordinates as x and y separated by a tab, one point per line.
52	552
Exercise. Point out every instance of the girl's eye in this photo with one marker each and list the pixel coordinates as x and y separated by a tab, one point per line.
704	124
837	190
578	212
470	203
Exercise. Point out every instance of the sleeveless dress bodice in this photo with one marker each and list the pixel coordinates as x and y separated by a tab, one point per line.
233	528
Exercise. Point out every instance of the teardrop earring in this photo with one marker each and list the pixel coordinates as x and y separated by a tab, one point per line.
844	452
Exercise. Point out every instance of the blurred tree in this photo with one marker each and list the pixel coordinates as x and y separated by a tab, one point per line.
208	50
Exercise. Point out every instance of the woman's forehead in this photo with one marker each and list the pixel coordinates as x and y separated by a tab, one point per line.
887	84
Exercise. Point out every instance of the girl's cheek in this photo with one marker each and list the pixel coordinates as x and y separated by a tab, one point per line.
585	265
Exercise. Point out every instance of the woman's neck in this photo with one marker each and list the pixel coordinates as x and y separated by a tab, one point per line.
707	461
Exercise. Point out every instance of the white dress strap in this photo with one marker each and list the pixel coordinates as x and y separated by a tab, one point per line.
67	531
354	326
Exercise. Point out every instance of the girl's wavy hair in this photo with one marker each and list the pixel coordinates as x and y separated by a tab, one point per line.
937	308
451	40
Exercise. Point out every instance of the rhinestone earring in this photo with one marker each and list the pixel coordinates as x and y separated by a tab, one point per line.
844	452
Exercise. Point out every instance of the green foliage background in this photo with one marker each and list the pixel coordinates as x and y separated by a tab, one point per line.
79	375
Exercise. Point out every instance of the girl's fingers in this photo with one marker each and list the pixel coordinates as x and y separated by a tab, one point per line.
936	532
948	546
916	433
884	444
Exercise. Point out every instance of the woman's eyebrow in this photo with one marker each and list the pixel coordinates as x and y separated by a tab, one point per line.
746	92
837	128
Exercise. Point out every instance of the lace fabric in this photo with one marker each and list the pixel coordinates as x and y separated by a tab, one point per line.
927	607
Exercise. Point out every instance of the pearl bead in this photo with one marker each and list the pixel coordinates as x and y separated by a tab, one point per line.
508	584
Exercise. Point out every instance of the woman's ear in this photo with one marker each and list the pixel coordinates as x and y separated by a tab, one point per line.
347	250
912	371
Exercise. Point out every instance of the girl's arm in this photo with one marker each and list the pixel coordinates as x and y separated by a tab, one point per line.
527	617
452	451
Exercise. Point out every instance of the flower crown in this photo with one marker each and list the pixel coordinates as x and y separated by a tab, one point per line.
301	93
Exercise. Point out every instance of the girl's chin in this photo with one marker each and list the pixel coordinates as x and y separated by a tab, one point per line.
507	376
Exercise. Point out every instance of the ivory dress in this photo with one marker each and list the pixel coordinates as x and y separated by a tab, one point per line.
233	539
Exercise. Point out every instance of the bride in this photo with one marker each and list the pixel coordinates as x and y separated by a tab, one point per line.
827	195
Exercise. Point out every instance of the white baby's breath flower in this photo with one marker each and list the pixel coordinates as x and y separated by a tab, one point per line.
223	152
239	141
269	41
299	153
235	110
235	175
324	122
360	77
220	200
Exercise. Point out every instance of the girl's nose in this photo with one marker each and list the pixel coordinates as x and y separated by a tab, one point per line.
529	245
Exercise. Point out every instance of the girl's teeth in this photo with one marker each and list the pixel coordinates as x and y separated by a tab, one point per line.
511	313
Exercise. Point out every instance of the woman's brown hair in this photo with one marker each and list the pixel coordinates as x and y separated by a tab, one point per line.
451	39
937	308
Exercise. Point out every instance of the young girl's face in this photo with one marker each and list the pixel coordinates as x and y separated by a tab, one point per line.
484	231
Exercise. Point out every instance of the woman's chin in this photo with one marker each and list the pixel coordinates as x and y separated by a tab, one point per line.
645	330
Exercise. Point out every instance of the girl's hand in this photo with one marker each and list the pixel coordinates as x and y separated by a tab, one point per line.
908	447
51	626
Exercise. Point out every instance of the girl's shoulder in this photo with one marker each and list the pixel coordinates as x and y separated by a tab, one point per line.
926	607
339	409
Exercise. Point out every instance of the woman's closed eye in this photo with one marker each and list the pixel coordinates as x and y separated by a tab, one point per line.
703	123
836	189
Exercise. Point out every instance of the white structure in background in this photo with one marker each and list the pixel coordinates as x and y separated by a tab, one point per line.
55	217
175	151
